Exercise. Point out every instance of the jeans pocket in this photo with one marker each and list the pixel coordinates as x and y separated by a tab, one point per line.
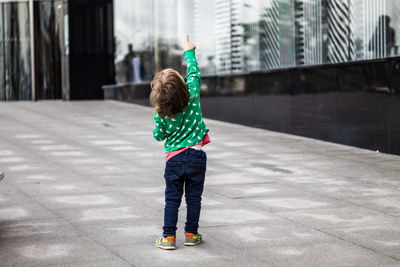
171	171
198	172
200	158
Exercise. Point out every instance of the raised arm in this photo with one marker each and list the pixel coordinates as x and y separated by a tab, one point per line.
193	74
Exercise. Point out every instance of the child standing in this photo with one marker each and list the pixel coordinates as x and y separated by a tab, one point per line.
178	119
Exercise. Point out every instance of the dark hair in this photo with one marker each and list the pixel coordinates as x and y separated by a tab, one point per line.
169	93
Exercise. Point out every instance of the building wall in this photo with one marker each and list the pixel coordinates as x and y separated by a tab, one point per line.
223	36
33	50
15	52
239	36
355	104
338	103
91	42
322	69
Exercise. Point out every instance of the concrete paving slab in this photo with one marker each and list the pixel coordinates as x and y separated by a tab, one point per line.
54	251
104	215
298	202
125	183
40	185
36	229
237	191
216	216
127	233
339	253
24	211
342	188
65	201
13	197
382	238
210	253
151	196
334	217
94	263
392	180
387	205
284	233
310	180
7	189
369	156
89	192
235	178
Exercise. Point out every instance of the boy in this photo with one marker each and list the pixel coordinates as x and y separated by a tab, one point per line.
178	119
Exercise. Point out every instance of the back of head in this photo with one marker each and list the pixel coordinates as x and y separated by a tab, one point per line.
384	20
169	93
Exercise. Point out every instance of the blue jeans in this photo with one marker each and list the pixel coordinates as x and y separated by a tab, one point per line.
185	171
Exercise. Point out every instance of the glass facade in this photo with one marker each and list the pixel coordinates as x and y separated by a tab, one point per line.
240	36
325	69
134	37
15	53
50	51
37	27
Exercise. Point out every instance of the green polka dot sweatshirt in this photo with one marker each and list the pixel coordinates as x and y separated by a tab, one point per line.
187	128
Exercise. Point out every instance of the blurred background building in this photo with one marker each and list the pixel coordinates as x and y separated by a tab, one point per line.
326	69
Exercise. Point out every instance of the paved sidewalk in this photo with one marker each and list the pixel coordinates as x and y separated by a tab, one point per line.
84	186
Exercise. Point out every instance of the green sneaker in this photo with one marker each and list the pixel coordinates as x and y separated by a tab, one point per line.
192	239
166	243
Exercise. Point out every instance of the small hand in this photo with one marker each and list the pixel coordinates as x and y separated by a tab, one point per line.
188	44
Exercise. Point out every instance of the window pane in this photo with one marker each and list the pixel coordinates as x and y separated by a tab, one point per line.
240	36
168	49
17	65
134	37
203	30
2	84
49	48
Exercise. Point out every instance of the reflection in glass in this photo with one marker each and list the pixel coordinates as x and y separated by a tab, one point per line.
239	36
251	36
382	40
2	67
49	48
134	38
169	48
269	37
66	53
204	32
15	54
341	46
309	32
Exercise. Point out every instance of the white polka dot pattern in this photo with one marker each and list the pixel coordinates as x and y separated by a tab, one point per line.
187	127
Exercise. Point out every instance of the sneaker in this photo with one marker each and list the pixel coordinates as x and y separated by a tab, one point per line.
166	242
192	239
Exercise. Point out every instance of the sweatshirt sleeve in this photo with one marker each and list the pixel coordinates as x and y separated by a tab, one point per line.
159	132
192	72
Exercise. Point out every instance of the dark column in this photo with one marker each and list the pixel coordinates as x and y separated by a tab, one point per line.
91	47
49	49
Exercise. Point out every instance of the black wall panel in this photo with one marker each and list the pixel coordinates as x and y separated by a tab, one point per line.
91	47
355	104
